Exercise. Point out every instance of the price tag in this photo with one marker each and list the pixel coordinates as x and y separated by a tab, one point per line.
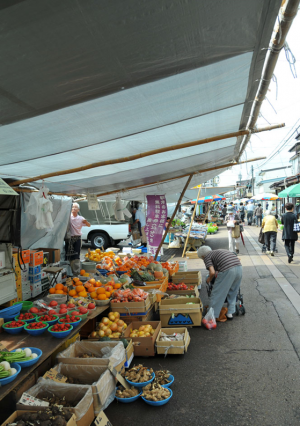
92	202
118	376
27	399
55	376
102	420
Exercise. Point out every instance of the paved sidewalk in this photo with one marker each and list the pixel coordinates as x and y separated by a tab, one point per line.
246	372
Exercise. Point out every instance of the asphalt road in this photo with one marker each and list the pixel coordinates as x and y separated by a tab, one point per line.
246	372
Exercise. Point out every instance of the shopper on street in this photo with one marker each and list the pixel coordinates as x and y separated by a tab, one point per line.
258	214
250	211
73	243
242	212
270	226
232	219
226	268
224	211
289	236
140	220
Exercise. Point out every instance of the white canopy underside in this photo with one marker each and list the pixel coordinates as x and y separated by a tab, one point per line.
121	79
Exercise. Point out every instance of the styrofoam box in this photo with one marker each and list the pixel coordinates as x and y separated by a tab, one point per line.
26	295
2	259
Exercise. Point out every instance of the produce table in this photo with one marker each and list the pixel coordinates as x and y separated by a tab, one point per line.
45	342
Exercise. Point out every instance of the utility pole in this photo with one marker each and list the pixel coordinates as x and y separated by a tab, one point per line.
240	177
252	169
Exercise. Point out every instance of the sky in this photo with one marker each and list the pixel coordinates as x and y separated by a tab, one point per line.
287	107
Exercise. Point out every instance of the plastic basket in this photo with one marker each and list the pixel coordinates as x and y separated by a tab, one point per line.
157	403
29	363
9	379
143	384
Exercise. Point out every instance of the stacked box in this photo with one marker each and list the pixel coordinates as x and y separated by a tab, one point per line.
36	289
26	295
45	281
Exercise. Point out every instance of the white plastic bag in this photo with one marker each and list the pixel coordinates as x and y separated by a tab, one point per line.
209	321
175	244
230	224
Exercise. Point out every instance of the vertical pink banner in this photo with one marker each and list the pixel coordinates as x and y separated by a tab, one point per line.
155	221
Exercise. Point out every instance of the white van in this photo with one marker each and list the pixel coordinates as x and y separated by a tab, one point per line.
105	231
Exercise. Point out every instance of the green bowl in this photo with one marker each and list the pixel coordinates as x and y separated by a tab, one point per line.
25	305
82	316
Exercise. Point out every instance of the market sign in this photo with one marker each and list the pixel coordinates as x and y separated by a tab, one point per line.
156	218
92	202
6	189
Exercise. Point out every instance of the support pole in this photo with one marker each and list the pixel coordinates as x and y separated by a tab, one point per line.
173	215
191	224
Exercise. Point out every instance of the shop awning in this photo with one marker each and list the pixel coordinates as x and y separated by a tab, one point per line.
87	81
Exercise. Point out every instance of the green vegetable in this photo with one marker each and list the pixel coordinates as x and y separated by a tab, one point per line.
125	342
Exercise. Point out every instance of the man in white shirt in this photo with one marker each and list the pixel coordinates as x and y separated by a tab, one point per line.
250	210
140	220
73	244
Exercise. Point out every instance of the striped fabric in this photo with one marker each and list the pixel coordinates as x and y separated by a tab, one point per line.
221	260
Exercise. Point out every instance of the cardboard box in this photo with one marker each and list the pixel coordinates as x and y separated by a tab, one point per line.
26	384
189	277
117	357
36	258
99	378
36	289
33	279
179	312
46	259
34	270
2	259
131	308
53	254
25	274
147	317
71	422
173	348
183	293
45	284
1	323
26	295
63	346
129	353
23	258
84	409
192	255
143	346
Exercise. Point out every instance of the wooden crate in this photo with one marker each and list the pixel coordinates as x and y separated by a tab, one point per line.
189	277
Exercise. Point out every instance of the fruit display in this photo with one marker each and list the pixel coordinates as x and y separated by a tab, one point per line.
136	295
47	318
60	327
139	374
180	286
111	326
127	393
36	325
14	324
69	319
93	289
59	289
144	331
155	392
97	255
53	416
26	316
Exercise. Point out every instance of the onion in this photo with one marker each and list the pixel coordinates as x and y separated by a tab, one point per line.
12	371
18	350
6	365
33	356
27	352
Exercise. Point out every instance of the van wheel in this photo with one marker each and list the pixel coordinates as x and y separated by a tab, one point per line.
99	240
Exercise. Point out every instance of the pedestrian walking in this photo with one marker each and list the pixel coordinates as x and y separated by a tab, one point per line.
289	236
258	214
270	226
250	211
242	212
226	268
233	221
224	211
